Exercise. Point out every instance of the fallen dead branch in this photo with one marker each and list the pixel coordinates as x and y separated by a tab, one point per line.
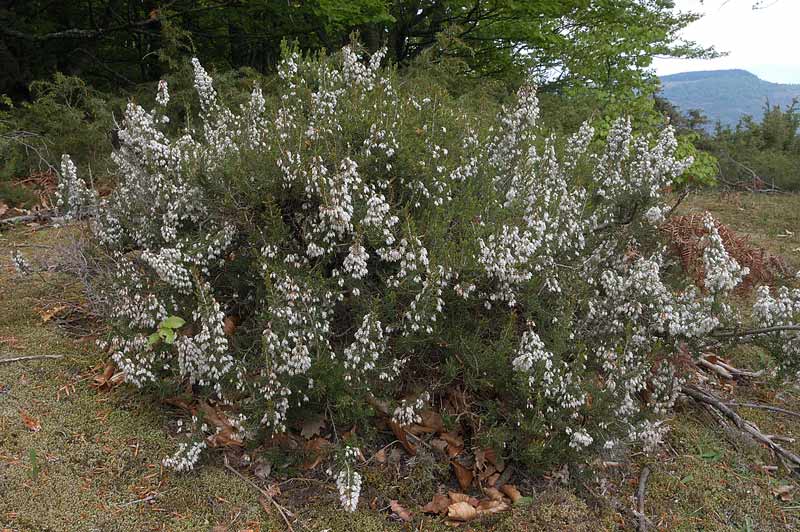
790	459
717	365
640	498
281	510
739	372
755	332
41	216
761	406
719	370
33	357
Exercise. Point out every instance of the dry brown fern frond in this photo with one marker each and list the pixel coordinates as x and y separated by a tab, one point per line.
685	239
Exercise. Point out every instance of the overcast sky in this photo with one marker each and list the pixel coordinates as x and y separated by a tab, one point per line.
766	41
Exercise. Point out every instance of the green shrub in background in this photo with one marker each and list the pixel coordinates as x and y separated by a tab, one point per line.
64	116
762	154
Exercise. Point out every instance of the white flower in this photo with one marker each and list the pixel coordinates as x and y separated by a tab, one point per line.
348	481
723	273
73	197
186	457
21	264
162	96
655	215
580	439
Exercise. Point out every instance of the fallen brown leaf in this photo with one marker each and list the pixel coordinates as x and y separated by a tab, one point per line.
494	494
432	421
486	473
109	378
511	492
32	423
491	507
273	490
48	314
101	381
454	443
464	475
229	325
462	511
227	434
438	504
784	492
349	435
380	456
402	437
316	450
480	459
496	461
401	512
462	497
225	439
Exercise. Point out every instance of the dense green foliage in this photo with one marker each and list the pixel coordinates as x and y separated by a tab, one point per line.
765	154
118	43
69	66
755	154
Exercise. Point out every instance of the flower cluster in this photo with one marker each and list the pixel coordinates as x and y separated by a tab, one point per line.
73	197
407	413
348	481
21	264
723	273
186	457
780	312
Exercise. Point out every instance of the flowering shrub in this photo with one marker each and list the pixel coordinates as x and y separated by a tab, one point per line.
348	239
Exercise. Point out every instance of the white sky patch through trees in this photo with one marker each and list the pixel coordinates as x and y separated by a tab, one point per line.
763	41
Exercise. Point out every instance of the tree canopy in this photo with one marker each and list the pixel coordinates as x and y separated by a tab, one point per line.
603	43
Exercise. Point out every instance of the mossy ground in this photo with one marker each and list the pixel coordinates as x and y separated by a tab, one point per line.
98	454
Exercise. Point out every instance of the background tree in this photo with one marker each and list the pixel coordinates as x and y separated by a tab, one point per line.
604	44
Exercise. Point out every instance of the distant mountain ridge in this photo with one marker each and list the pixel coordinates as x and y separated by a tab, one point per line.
725	95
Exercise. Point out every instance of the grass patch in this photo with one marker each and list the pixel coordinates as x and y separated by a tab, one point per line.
772	221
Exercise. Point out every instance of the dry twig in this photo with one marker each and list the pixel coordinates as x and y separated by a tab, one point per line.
149	498
281	510
33	357
40	216
640	498
765	407
742	424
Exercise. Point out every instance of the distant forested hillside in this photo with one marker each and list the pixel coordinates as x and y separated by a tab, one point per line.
725	95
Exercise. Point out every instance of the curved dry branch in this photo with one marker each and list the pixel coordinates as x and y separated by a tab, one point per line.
703	397
755	332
